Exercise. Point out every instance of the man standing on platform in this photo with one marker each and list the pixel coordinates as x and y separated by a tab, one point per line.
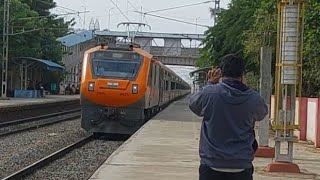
229	110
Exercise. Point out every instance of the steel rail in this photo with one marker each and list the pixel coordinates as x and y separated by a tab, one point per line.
39	125
36	118
48	159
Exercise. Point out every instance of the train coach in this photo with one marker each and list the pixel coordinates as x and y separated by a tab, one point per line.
122	86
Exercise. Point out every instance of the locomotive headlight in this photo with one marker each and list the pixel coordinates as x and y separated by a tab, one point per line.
91	86
135	89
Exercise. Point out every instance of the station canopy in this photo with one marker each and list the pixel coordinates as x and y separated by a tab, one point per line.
201	70
51	66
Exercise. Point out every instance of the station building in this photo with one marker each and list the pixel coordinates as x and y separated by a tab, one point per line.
74	46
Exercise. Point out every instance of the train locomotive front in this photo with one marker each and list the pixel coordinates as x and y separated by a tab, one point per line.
113	85
121	87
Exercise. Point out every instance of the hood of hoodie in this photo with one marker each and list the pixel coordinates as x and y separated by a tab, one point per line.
234	91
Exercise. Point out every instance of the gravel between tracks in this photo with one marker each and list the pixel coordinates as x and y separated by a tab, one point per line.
22	149
80	163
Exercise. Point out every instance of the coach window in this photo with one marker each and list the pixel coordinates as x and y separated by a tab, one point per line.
173	85
150	75
154	68
156	74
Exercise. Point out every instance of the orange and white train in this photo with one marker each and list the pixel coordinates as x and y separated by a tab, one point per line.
122	86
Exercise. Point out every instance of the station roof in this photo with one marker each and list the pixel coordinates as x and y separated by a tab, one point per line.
51	66
76	38
205	69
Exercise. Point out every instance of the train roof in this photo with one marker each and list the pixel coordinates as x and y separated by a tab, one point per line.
138	50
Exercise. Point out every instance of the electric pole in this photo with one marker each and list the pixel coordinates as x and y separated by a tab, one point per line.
265	91
216	10
5	48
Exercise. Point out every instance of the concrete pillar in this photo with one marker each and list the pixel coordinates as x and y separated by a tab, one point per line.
265	91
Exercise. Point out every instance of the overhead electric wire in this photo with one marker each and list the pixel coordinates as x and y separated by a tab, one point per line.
133	6
176	20
120	10
67	8
32	30
52	15
177	7
57	6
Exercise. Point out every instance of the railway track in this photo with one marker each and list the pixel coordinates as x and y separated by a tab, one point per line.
44	120
12	113
48	159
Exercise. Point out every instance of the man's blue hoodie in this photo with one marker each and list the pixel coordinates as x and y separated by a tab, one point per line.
229	111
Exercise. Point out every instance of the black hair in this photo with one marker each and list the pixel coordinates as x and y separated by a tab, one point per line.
232	66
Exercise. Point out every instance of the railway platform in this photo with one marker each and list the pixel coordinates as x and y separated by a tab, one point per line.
20	108
166	148
12	102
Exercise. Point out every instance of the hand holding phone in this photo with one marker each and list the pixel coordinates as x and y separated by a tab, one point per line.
214	75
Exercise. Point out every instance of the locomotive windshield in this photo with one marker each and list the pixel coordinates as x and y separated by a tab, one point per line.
124	65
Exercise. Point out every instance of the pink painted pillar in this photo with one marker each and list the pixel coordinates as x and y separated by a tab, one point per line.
303	119
317	141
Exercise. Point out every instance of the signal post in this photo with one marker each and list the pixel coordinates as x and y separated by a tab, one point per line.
288	82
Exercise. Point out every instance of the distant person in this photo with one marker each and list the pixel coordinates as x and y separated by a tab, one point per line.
73	89
61	88
41	90
68	89
229	110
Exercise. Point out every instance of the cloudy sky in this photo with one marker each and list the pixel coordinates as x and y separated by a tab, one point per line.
99	10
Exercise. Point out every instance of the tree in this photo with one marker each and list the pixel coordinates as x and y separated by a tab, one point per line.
262	33
245	27
35	30
50	28
19	44
311	65
227	36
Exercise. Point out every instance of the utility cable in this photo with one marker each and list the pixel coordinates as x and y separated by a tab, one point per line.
52	15
28	31
177	7
62	7
120	10
133	6
176	20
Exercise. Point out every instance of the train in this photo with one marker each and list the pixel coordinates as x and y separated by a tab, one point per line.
123	86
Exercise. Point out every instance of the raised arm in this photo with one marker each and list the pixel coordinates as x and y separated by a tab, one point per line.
261	109
199	100
197	103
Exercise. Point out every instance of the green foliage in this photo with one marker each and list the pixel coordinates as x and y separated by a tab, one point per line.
226	37
263	32
35	36
311	66
252	81
248	25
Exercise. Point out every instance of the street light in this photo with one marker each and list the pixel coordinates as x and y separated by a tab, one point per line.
84	17
197	24
195	41
109	18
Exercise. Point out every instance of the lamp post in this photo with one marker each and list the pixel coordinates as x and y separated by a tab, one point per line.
109	18
195	42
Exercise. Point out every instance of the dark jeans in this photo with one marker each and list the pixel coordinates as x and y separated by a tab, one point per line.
206	173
